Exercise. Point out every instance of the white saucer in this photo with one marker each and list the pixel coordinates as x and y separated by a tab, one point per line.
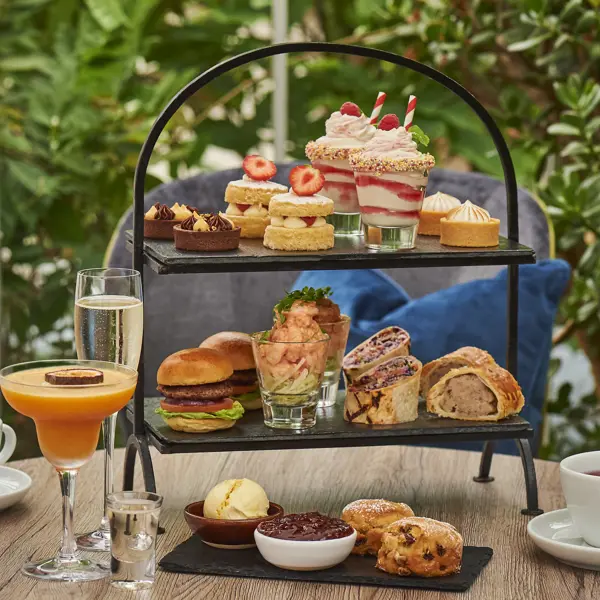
13	486
555	534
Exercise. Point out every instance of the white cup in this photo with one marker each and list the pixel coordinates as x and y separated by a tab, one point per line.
10	442
582	493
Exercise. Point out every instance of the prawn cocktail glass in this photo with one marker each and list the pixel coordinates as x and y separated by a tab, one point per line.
290	362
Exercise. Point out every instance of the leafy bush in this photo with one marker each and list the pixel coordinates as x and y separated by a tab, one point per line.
81	82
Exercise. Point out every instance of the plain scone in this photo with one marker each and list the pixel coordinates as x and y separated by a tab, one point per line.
370	518
484	393
422	547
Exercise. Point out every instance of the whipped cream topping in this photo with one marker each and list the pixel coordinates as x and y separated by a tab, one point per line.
248	182
440	202
292	198
254	210
470	213
296	222
347	131
394	143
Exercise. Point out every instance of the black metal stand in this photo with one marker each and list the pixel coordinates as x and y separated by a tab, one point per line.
137	442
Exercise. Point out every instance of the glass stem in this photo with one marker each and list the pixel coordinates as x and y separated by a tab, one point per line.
68	547
108	431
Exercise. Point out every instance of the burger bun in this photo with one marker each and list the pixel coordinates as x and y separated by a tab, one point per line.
199	425
194	366
235	345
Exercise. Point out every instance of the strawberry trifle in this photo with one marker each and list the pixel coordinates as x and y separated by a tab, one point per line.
391	176
347	131
248	198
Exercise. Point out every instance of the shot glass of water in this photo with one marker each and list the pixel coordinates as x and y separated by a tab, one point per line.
133	520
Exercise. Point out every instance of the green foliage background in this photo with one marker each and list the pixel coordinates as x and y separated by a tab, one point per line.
81	83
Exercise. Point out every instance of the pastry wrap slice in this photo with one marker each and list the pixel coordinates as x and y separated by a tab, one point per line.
484	393
385	344
386	394
468	356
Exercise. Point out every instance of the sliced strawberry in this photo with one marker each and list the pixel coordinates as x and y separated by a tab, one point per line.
349	108
243	207
309	220
258	168
306	180
389	122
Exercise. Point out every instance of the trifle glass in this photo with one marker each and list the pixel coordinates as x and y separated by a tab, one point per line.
391	177
345	135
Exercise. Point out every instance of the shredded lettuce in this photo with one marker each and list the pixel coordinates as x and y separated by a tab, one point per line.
249	397
234	413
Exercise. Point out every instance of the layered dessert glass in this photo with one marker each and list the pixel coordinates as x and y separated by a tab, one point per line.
391	177
347	131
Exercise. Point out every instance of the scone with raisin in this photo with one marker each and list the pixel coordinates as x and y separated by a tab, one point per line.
420	546
370	518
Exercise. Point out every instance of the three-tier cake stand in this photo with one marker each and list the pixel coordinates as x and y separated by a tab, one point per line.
331	430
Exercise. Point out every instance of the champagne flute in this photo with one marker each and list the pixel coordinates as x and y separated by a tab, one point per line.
109	319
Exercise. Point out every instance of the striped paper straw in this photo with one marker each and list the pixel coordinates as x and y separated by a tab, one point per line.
377	108
410	111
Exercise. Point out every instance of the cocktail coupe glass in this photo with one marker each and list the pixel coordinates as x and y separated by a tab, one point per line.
109	319
67	420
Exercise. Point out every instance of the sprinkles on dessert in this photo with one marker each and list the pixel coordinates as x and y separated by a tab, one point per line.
360	162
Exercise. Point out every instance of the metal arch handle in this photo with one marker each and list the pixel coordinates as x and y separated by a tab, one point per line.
191	88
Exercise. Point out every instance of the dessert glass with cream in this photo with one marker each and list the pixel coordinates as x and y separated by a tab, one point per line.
469	226
391	176
346	132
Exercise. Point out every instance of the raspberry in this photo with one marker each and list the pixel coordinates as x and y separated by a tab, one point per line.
388	122
349	108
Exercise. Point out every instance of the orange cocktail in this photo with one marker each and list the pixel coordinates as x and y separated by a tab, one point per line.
67	417
68	401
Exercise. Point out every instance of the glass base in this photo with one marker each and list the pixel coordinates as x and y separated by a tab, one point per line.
75	570
132	585
95	541
390	238
329	390
345	223
287	411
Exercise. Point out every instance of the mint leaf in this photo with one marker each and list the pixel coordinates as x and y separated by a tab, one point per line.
419	136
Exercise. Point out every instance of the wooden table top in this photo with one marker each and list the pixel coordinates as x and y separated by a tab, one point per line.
435	483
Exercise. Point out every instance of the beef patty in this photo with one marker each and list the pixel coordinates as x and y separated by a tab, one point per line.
468	396
247	377
208	391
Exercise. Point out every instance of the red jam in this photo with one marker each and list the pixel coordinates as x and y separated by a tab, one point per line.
306	527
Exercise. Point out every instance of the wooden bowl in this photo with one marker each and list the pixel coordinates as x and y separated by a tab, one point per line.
221	533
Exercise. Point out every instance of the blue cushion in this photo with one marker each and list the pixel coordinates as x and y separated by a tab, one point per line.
469	314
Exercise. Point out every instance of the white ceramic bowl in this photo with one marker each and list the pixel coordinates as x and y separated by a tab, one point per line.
304	555
13	486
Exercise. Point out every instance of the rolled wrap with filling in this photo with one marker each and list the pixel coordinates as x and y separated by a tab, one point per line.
385	344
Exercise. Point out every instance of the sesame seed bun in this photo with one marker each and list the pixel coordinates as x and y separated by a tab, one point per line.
194	366
235	345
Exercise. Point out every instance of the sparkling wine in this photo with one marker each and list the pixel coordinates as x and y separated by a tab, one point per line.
109	328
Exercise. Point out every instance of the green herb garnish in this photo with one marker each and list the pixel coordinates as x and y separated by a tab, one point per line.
419	136
307	294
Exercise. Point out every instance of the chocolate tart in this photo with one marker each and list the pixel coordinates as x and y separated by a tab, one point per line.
157	229
206	241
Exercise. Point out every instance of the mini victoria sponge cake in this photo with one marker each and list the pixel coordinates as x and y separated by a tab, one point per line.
298	223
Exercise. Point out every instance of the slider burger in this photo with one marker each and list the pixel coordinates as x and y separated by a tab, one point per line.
238	348
197	395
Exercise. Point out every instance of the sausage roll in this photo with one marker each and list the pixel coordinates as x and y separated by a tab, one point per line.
370	519
484	393
463	357
420	546
386	394
385	344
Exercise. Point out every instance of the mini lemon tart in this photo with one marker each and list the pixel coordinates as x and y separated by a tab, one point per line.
434	208
469	226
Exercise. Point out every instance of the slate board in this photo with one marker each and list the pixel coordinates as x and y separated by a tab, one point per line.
193	556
